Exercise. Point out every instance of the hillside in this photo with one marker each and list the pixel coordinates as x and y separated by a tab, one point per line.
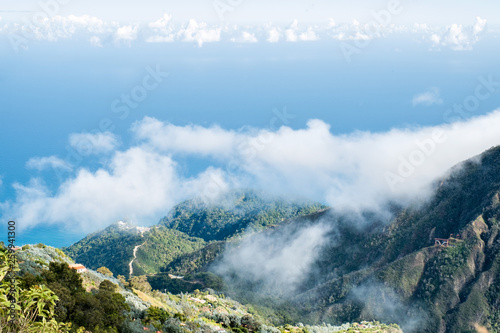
317	265
234	213
186	232
160	247
442	289
67	301
114	247
368	268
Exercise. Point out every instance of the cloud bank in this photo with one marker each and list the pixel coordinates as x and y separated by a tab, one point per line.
458	37
356	171
165	29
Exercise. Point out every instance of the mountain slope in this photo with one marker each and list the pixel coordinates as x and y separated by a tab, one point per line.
234	213
393	272
92	302
112	247
161	246
184	233
364	267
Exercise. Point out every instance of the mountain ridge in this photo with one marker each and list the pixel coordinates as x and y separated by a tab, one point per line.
424	287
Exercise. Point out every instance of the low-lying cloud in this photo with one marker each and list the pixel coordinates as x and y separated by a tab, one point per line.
273	263
356	171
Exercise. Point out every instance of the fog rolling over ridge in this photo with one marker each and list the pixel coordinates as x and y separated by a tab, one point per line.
340	266
274	262
355	171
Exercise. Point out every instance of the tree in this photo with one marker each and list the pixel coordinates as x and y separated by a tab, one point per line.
140	283
123	280
105	271
113	306
107	285
155	315
65	276
34	308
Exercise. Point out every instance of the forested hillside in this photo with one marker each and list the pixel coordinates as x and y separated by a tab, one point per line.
367	268
182	242
336	266
234	213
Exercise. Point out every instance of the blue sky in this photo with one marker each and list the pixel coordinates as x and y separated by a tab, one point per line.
119	111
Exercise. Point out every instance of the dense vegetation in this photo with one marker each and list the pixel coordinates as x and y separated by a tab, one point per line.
176	245
161	246
112	248
369	268
426	288
197	261
234	213
53	298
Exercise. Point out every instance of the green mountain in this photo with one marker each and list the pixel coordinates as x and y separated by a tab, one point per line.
370	269
192	229
51	297
233	214
112	247
122	246
311	264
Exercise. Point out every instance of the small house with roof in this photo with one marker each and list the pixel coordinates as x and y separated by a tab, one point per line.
78	267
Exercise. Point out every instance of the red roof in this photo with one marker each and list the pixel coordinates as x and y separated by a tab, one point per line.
77	266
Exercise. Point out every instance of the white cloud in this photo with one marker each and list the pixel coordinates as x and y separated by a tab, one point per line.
353	171
343	170
64	27
309	35
279	261
455	36
200	33
90	23
163	30
136	184
127	34
478	26
245	37
90	144
185	139
274	35
428	98
42	163
291	32
459	37
249	37
162	23
420	27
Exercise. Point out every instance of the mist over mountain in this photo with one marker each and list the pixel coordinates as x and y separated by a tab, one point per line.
297	262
